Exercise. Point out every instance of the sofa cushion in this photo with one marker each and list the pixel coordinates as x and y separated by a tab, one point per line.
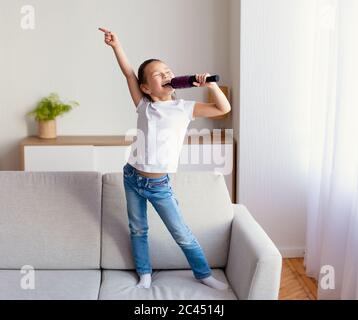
50	220
50	285
207	209
166	285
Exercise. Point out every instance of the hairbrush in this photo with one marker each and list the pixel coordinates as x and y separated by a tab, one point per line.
184	82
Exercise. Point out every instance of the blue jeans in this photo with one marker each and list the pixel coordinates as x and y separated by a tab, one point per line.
158	191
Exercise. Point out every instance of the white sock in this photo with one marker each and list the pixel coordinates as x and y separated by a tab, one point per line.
145	281
213	283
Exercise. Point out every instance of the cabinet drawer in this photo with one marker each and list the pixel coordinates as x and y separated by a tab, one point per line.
59	158
110	158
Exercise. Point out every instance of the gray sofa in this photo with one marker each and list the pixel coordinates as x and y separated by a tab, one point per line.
72	229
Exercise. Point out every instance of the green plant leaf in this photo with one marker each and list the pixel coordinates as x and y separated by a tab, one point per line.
50	107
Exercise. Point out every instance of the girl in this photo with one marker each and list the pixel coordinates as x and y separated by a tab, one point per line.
161	128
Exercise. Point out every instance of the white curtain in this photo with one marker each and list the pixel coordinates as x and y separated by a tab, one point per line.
332	219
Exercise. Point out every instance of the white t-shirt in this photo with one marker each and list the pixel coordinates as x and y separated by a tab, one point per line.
161	130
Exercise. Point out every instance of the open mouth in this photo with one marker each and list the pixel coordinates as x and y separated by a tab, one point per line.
166	84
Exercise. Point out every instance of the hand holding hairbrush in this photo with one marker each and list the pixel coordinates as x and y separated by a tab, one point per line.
189	81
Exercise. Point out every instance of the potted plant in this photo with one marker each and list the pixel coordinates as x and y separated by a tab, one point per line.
46	111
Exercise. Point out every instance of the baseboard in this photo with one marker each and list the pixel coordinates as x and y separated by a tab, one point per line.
292	252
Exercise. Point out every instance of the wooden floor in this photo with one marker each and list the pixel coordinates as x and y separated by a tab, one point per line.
295	285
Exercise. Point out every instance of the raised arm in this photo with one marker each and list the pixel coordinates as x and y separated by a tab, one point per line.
112	40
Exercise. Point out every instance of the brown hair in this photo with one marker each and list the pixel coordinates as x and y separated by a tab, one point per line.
142	78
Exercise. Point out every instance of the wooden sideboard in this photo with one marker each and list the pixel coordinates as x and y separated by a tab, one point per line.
110	153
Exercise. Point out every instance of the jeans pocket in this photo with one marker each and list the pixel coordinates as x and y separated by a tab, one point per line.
128	172
158	184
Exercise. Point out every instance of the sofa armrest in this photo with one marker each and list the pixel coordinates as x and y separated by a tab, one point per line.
254	263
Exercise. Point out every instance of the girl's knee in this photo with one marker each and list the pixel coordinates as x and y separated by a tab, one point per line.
184	238
138	231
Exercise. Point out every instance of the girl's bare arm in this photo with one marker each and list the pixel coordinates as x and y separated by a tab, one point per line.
112	40
221	104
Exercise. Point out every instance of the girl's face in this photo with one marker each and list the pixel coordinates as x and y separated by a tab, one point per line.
157	75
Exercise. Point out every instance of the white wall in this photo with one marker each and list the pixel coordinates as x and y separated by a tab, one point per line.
276	51
66	54
270	84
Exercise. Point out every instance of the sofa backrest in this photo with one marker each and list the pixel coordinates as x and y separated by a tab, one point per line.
50	220
205	205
